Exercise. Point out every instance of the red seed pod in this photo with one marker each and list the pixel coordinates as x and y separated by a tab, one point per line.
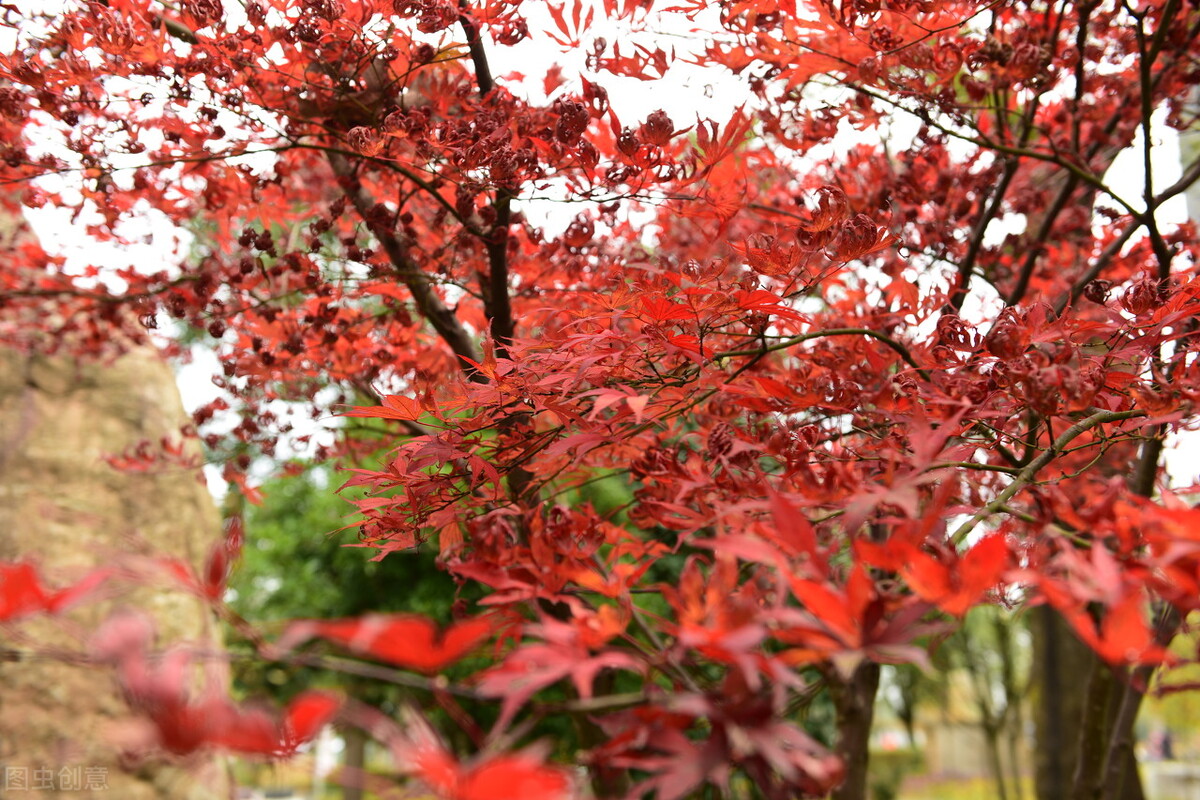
658	128
1008	339
1140	297
572	121
365	140
628	142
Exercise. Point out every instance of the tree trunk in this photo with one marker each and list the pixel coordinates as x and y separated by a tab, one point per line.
1014	737
1061	691
1103	697
1059	659
355	763
854	699
991	736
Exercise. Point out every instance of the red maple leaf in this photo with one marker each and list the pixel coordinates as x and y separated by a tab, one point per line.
394	407
522	774
954	583
22	592
567	653
158	688
406	640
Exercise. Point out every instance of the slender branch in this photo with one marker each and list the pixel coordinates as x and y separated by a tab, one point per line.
1079	171
434	193
931	32
439	685
176	28
376	672
971	465
170	162
428	303
967	267
1034	249
1085	13
483	71
1189	177
1146	81
1030	472
1101	263
900	349
495	290
593	705
1164	27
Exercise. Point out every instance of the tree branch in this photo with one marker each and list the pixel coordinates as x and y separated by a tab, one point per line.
1030	472
900	349
967	267
500	310
427	301
1146	82
1101	263
483	71
495	289
1035	249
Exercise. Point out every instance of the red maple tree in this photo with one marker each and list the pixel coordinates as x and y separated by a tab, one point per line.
884	344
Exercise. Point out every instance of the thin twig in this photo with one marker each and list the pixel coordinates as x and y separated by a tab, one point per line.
1030	472
900	349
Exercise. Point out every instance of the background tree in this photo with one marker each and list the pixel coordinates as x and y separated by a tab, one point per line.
288	570
881	345
988	650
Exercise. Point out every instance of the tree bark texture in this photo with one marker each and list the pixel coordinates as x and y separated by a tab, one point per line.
854	698
65	509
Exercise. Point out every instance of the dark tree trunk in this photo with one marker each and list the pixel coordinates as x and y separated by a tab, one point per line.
1072	691
854	699
1059	661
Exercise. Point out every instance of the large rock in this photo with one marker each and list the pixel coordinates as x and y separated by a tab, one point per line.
63	507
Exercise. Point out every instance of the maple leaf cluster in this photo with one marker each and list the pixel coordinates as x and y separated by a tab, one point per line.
853	382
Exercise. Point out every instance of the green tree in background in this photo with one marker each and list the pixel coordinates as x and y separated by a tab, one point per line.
298	562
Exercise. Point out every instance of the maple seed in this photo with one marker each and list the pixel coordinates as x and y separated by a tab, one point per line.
658	129
572	121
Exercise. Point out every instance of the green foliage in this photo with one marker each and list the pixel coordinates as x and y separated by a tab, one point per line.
888	770
298	562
